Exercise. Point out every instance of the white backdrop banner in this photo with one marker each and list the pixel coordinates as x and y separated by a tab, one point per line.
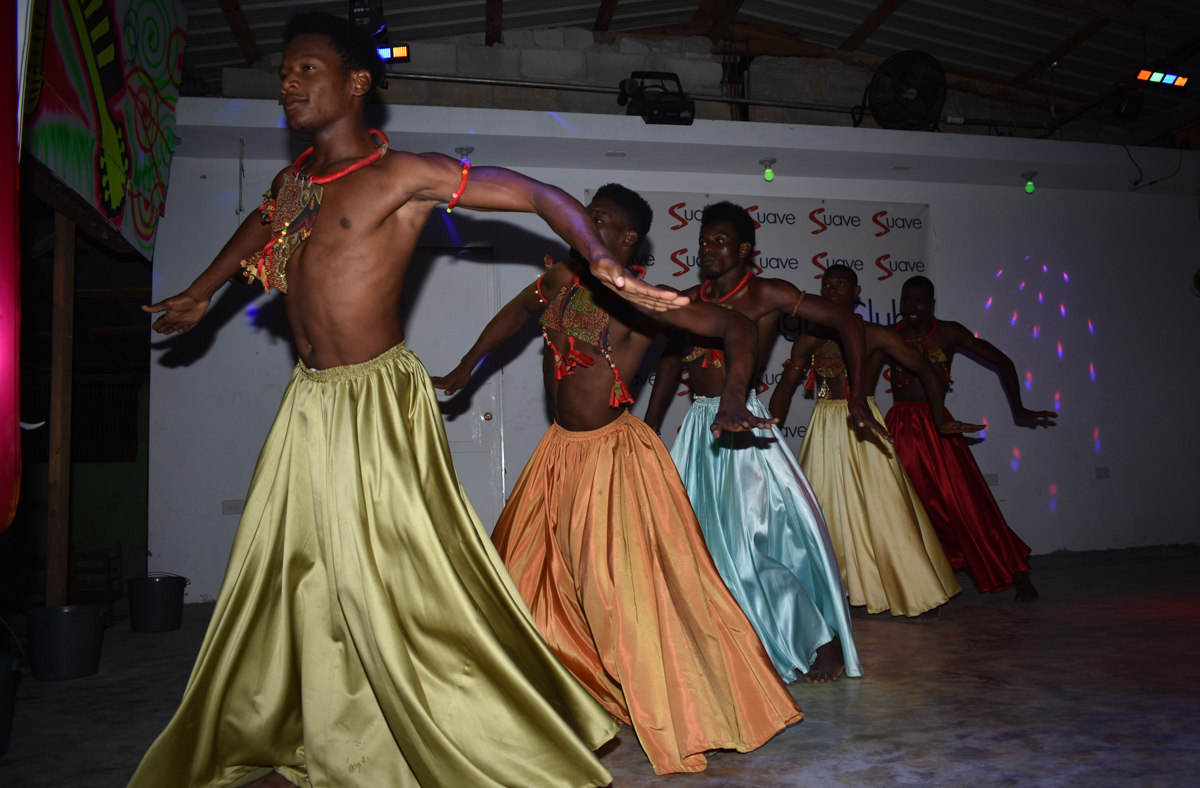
797	239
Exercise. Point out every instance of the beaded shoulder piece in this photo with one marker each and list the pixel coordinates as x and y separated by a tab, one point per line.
932	352
291	215
827	364
576	314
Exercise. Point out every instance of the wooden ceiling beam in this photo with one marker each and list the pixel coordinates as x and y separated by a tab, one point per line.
869	25
604	16
718	15
1127	14
242	34
494	18
1053	56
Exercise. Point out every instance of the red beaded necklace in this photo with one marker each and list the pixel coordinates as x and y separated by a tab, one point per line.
708	285
342	173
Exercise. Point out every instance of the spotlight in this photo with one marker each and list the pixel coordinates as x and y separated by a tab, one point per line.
368	15
1028	178
1162	78
657	104
768	173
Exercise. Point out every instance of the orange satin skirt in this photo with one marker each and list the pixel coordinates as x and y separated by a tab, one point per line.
603	544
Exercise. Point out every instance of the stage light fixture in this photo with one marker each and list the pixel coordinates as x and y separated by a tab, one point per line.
1162	78
1028	178
656	104
368	14
768	173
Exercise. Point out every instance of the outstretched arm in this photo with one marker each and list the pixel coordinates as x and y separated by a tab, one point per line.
182	311
741	358
891	343
850	330
666	379
793	374
1008	371
507	322
498	189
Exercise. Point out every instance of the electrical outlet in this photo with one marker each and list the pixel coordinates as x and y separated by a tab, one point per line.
992	479
1101	473
233	507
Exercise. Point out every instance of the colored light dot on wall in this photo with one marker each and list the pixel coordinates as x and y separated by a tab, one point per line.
1062	308
1000	272
1015	463
1060	349
1045	269
1021	286
1036	330
983	432
988	305
1026	257
1091	330
1053	497
1092	371
1013	322
1039	298
1028	380
1065	277
1057	400
1096	439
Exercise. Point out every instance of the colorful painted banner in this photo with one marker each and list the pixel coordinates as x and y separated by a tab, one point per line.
797	239
11	30
103	79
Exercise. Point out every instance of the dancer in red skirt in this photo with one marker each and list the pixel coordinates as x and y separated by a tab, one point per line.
956	497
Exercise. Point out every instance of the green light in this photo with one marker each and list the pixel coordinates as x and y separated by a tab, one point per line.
768	175
1029	187
1157	76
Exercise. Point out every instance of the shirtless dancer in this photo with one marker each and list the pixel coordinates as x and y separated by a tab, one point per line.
760	518
968	521
367	632
598	532
889	553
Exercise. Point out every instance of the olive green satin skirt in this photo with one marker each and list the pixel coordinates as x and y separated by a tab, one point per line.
367	633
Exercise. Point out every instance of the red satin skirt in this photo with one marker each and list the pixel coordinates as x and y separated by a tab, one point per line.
957	499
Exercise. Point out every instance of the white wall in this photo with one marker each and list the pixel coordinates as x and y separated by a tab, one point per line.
1129	258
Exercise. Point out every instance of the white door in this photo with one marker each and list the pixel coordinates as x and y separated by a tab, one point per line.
450	295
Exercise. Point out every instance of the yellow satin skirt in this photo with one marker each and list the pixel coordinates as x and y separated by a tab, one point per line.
886	546
367	634
604	546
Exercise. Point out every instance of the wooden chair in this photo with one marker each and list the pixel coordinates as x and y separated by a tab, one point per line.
96	578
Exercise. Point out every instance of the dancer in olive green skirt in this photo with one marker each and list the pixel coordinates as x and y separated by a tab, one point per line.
367	633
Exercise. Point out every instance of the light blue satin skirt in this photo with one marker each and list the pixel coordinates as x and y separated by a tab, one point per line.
765	532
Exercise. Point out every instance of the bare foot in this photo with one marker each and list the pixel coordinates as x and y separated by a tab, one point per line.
928	616
828	665
272	780
1025	590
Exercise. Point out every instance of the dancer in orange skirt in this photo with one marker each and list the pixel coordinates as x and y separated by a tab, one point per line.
599	535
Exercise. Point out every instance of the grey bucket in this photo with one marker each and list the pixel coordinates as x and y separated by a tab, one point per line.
8	694
64	642
156	602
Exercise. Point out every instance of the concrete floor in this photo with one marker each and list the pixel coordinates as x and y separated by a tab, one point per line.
1097	684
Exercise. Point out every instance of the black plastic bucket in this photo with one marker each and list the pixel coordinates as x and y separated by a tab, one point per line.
64	642
8	693
156	602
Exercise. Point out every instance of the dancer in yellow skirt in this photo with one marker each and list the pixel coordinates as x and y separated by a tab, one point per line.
367	633
888	552
599	534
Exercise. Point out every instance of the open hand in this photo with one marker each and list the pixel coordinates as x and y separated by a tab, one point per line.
458	377
735	417
1034	415
620	280
863	417
957	427
182	312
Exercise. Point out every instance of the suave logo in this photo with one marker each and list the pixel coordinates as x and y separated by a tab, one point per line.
644	260
856	264
771	218
794	432
898	266
683	266
898	223
694	215
832	220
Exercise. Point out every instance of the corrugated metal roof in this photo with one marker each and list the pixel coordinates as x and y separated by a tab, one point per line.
995	38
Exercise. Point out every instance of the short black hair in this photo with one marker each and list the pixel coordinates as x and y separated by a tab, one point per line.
352	43
736	215
844	271
919	282
637	212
